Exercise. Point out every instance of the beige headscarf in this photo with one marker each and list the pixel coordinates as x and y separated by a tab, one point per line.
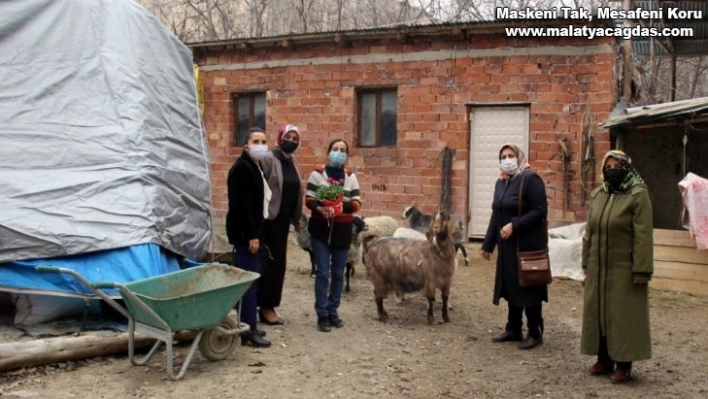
520	157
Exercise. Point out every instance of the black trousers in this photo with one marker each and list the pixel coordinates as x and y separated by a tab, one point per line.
603	356
270	285
534	319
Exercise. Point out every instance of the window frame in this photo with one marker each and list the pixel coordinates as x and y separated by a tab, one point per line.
251	96
378	92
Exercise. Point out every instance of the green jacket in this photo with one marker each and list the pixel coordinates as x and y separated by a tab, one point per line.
617	248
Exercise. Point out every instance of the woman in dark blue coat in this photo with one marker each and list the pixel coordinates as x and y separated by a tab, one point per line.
507	228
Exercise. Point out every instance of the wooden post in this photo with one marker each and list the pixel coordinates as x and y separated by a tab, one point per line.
627	70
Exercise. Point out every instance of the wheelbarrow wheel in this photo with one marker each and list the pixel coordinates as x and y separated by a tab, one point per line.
217	346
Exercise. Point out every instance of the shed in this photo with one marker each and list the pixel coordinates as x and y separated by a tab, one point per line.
665	142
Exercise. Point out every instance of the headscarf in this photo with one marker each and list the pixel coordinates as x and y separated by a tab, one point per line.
631	180
520	158
285	129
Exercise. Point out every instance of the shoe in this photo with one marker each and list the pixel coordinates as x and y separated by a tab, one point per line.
277	322
530	342
252	337
335	321
323	324
506	336
602	368
621	376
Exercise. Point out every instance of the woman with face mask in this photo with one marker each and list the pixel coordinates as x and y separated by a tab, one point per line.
283	175
331	232
508	229
248	196
618	261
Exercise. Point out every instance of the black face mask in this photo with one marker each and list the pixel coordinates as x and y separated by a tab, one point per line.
288	147
614	177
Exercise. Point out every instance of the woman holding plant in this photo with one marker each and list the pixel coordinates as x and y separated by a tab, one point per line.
333	197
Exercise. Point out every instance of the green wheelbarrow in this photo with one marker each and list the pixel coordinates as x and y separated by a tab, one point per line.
198	298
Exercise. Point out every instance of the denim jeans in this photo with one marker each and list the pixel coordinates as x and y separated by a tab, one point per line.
328	294
245	260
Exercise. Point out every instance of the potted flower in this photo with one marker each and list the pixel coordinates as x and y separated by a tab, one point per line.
332	194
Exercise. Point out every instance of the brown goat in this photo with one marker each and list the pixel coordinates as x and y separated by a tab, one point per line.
408	265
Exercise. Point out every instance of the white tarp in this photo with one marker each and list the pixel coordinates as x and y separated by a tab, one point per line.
101	144
565	250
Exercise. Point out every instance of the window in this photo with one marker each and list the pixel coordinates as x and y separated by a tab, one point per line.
378	114
249	111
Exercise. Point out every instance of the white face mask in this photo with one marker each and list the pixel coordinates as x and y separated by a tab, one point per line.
257	151
509	166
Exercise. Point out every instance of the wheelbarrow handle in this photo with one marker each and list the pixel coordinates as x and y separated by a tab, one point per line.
103	285
47	269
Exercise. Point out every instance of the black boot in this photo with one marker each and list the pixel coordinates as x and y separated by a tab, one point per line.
535	325
335	321
507	336
254	338
512	331
323	324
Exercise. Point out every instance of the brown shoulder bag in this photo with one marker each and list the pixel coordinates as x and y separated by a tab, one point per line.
534	266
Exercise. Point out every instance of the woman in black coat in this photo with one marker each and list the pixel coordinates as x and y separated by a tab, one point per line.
507	228
248	207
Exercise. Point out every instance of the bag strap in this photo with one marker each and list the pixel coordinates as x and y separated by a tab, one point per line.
521	194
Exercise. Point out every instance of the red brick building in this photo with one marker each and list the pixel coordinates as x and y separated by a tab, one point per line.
400	95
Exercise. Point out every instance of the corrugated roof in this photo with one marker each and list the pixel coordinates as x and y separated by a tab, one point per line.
694	45
666	112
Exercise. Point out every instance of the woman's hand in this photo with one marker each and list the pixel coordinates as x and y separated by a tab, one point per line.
326	211
506	231
254	245
485	254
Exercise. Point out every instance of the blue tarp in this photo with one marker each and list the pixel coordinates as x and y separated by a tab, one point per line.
122	265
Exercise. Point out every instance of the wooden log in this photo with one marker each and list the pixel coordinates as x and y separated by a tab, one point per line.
16	355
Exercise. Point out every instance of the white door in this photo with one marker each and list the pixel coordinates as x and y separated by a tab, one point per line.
491	127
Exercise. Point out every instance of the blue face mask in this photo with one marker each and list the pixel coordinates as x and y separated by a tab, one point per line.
337	158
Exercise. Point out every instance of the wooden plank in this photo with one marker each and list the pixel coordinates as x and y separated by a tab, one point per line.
681	271
691	287
681	254
674	238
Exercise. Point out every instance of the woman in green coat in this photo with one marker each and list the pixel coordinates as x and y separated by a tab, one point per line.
618	262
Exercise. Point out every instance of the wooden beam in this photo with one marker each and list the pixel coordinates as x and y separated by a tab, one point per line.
682	255
691	287
675	238
681	271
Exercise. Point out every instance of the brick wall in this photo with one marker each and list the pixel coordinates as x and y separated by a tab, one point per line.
566	82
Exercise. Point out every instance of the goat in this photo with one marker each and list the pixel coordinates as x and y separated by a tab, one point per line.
420	221
407	232
410	265
303	241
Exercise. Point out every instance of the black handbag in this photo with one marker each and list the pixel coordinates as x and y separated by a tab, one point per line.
534	266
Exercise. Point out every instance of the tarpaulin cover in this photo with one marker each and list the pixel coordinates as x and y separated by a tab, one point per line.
122	265
101	142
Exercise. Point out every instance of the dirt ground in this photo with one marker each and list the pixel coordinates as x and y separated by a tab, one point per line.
405	358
